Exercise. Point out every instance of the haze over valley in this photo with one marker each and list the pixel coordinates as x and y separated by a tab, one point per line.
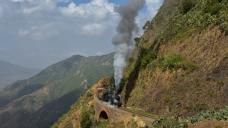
10	73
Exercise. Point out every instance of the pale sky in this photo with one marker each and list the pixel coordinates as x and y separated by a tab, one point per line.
37	33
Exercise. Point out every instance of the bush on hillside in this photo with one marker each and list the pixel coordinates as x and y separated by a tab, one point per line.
211	114
175	61
187	5
102	124
147	56
85	120
213	8
169	123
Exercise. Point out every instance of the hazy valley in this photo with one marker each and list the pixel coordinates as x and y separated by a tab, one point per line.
10	73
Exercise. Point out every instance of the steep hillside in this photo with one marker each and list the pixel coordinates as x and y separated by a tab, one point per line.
182	69
10	73
32	100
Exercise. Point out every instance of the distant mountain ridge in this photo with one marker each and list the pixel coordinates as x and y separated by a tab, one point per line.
56	87
10	73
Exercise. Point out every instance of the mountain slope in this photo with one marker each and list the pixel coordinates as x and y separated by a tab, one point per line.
26	100
10	73
182	69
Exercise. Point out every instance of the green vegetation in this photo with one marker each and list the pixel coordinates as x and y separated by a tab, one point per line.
175	61
86	120
102	124
197	14
169	123
168	62
210	114
147	56
182	123
187	5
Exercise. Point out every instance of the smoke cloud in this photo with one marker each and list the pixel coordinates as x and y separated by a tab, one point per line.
123	40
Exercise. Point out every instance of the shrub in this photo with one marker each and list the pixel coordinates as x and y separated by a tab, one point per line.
147	56
102	124
172	61
85	120
213	9
169	123
210	114
187	5
175	61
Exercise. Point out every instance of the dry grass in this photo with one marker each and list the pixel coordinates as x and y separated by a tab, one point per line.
183	92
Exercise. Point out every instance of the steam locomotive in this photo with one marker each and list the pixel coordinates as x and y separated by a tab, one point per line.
111	97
